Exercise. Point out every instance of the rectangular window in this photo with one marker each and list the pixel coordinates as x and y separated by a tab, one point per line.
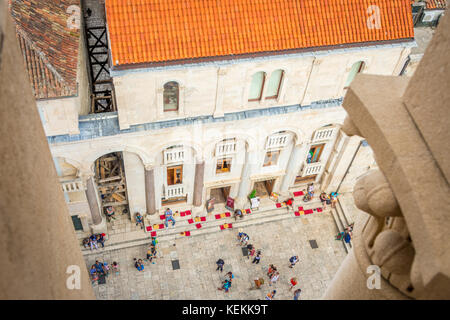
274	84
314	153
256	86
170	96
174	175
77	223
223	165
271	158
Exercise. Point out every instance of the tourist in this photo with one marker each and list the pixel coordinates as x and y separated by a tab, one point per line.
139	220
311	190
225	286
289	204
86	243
154	241
106	268
244	239
115	267
220	264
297	294
323	198
271	270
238	213
138	264
258	257
99	266
293	260
258	283
100	238
230	276
110	213
93	273
151	253
293	283
334	199
169	217
93	242
271	295
251	251
274	278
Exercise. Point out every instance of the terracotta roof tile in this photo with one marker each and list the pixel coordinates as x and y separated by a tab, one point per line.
49	47
158	30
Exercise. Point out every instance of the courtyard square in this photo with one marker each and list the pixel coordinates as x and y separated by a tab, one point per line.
197	277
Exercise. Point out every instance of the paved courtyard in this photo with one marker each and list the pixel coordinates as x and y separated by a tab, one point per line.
197	278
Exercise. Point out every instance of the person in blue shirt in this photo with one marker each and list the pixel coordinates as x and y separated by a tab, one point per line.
99	267
138	264
139	220
169	217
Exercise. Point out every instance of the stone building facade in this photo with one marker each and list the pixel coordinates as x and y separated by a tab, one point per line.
194	127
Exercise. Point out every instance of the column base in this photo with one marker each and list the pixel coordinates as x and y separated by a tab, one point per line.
198	211
100	228
240	203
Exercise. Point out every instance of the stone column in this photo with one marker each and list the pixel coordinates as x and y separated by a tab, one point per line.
150	190
36	230
244	187
198	182
293	167
92	197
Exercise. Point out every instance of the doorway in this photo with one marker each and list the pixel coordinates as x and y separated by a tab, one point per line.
111	183
220	194
264	188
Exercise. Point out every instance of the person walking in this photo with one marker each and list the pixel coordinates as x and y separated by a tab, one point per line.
139	220
251	251
220	264
151	254
293	260
293	282
334	199
274	278
271	295
230	276
257	259
271	270
297	294
225	286
169	217
323	198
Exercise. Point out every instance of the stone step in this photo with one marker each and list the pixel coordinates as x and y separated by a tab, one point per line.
263	215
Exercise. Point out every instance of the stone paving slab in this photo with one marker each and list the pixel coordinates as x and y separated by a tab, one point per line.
197	278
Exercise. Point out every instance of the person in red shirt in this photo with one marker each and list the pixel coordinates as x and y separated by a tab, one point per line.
293	283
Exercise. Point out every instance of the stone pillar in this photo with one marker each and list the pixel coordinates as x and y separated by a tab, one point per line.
150	190
92	197
36	230
244	187
293	167
198	182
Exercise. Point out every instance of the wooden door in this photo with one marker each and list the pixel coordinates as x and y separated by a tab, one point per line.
174	175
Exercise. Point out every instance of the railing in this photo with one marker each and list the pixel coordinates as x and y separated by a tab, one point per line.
225	148
310	169
323	134
73	186
173	191
277	141
174	155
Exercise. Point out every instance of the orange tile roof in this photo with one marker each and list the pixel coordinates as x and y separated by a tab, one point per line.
436	4
148	31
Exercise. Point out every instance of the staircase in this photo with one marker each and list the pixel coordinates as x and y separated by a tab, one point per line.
341	222
211	225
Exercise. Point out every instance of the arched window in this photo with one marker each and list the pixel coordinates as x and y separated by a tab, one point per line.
171	96
356	68
274	84
257	86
